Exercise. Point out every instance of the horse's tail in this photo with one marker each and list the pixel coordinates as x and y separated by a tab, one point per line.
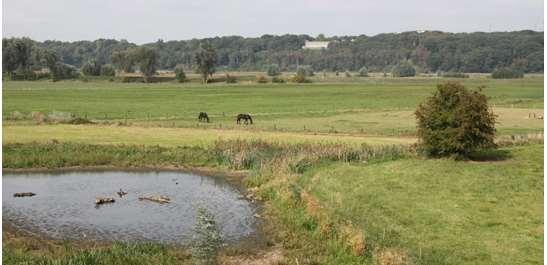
250	119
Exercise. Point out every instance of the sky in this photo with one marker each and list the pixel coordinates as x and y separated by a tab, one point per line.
143	21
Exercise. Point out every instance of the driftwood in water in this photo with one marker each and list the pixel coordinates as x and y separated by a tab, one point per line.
121	193
104	200
157	198
24	194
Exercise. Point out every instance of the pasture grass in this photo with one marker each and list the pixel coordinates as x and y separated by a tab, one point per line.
442	211
381	106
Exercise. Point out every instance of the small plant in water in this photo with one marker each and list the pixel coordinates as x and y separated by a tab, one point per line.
208	240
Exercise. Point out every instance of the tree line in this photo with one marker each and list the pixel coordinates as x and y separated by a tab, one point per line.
430	51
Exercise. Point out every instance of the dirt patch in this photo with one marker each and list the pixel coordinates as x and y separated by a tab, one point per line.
272	256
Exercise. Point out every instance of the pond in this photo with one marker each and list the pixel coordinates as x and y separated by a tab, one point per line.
64	206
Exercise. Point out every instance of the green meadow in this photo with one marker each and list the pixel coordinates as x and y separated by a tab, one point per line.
332	162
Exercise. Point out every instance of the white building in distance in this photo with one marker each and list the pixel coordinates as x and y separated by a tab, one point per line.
316	45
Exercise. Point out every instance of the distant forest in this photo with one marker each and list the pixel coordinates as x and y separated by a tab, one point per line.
429	51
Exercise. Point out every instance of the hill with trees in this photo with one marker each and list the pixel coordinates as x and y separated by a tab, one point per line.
429	51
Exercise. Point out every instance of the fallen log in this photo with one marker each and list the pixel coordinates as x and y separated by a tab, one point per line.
99	201
157	198
24	194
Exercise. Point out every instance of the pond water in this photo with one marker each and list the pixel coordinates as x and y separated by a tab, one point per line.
64	206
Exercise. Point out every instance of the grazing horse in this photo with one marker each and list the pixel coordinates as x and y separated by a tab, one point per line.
203	117
245	117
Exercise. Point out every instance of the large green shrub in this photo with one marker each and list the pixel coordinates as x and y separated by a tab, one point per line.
455	121
507	72
404	69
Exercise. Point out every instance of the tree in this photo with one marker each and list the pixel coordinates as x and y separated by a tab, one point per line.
91	68
146	59
205	59
17	55
108	70
404	69
455	121
57	69
363	71
273	70
123	61
179	73
431	51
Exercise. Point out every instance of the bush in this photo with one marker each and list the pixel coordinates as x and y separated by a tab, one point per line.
279	80
404	69
455	121
179	73
506	73
208	239
230	79
455	75
363	72
273	70
261	79
108	70
63	71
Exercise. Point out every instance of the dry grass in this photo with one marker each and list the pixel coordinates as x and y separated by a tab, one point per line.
392	256
112	134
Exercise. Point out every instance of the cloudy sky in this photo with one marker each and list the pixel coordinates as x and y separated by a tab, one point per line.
143	21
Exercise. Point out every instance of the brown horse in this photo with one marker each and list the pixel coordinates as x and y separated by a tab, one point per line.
203	117
246	118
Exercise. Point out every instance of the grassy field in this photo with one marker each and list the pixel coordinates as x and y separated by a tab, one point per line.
100	134
332	162
442	211
374	106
